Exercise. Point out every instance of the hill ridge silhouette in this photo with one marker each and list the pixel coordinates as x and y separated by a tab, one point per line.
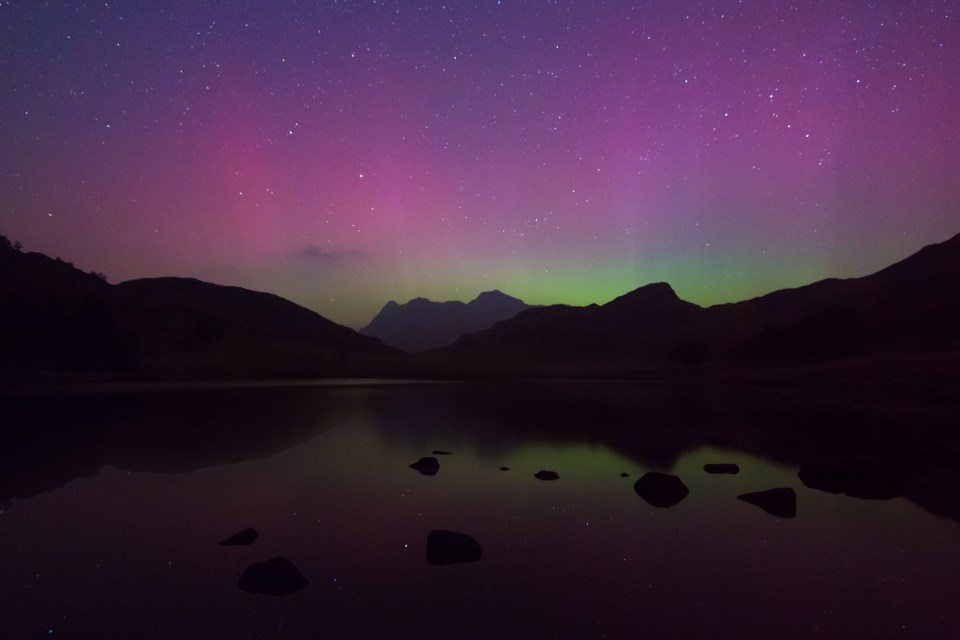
912	306
56	317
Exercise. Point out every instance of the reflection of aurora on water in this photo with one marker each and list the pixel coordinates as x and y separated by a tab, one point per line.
335	496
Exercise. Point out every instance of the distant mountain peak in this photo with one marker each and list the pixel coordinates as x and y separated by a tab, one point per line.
653	297
423	324
494	296
659	289
419	302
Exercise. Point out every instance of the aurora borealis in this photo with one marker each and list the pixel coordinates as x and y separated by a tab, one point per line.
342	154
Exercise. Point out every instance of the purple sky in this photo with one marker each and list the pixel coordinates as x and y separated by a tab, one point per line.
343	154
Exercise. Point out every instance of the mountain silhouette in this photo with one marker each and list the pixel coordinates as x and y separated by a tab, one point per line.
423	324
187	323
54	317
911	307
561	338
900	324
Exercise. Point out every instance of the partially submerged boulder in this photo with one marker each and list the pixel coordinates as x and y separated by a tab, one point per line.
275	577
823	477
428	466
546	475
450	547
868	481
721	467
245	537
661	489
780	502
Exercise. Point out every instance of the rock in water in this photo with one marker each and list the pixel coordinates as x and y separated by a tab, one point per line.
427	466
661	489
723	467
823	477
438	452
546	475
245	537
450	547
780	502
274	577
855	480
504	468
873	484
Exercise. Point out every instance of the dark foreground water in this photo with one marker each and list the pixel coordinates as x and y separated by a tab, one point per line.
112	505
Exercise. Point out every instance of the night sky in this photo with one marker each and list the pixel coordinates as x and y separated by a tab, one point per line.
342	154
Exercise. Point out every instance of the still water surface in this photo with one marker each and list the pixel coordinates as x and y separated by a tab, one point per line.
113	505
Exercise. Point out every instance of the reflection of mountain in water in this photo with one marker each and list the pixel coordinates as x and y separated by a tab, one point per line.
54	439
51	439
874	448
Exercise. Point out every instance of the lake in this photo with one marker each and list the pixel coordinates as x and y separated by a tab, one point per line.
112	505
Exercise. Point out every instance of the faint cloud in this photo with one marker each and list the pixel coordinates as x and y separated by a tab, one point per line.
316	253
